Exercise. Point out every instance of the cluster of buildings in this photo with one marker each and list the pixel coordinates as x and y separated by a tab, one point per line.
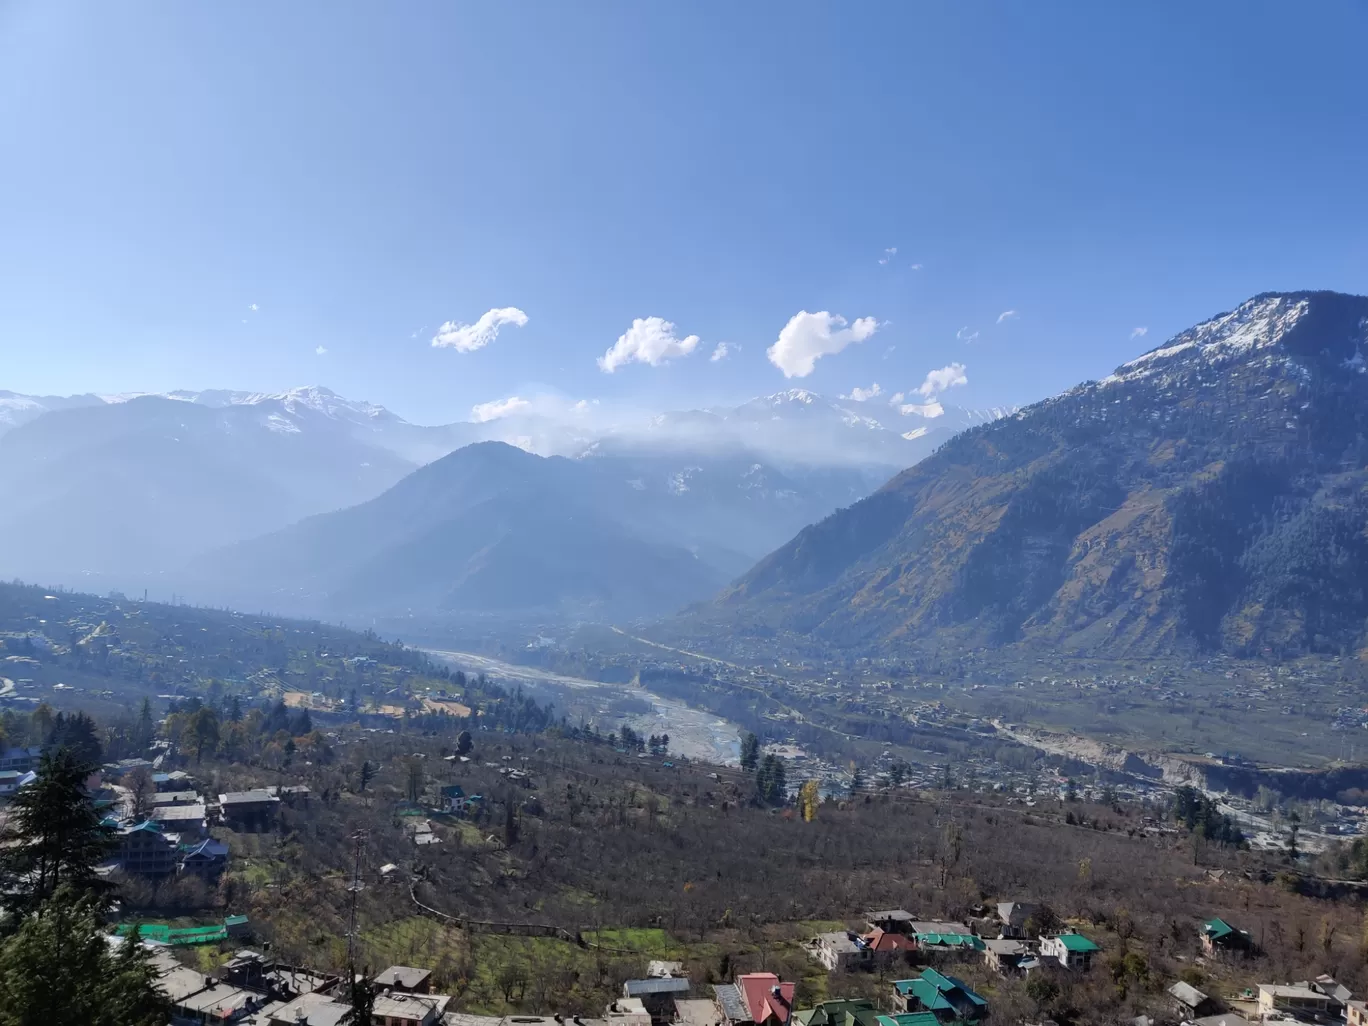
252	989
1010	939
171	832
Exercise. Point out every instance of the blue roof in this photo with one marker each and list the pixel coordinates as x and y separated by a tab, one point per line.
208	847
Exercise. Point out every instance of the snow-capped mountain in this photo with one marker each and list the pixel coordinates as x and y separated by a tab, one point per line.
1210	494
799	427
16	409
122	486
298	409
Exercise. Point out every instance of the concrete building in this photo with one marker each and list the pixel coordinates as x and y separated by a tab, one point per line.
1291	999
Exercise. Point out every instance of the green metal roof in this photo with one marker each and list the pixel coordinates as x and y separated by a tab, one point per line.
930	990
910	1019
1217	928
949	940
858	1012
1076	942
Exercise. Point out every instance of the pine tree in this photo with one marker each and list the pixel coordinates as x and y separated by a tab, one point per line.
57	835
366	773
58	968
771	785
750	752
856	782
146	729
204	729
79	734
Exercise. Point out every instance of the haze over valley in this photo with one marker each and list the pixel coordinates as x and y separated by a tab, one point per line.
665	514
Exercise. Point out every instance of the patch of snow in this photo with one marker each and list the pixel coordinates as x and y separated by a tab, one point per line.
281	425
1256	324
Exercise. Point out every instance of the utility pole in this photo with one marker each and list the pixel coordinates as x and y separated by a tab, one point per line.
355	887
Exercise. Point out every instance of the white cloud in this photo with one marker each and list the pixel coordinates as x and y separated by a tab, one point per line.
497	409
466	338
1139	332
1007	315
965	335
807	337
930	410
915	433
916	267
888	254
895	398
861	395
321	351
720	353
937	381
649	340
253	307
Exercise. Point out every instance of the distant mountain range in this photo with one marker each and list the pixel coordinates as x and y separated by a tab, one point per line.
1211	494
489	529
131	490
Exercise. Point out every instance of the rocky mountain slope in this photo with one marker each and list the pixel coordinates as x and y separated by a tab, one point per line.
1211	494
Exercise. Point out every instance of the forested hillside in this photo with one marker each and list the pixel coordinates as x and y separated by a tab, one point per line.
1210	495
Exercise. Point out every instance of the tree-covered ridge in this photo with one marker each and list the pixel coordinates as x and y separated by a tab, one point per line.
1212	495
249	686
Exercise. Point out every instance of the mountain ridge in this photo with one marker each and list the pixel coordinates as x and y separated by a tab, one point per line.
489	528
1187	501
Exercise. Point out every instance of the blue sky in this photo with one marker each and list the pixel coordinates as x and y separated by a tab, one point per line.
364	173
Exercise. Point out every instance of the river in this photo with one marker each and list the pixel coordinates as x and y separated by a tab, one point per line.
693	733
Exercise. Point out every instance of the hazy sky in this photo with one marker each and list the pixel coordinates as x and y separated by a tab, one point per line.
261	195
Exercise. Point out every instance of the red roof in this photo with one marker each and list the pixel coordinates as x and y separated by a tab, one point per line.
761	999
881	940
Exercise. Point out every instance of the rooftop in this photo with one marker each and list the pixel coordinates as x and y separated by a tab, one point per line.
656	985
909	1019
1292	992
409	1006
939	927
405	976
220	1000
1077	943
1187	994
179	813
766	996
931	988
881	940
180	983
254	797
175	798
312	1010
839	940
